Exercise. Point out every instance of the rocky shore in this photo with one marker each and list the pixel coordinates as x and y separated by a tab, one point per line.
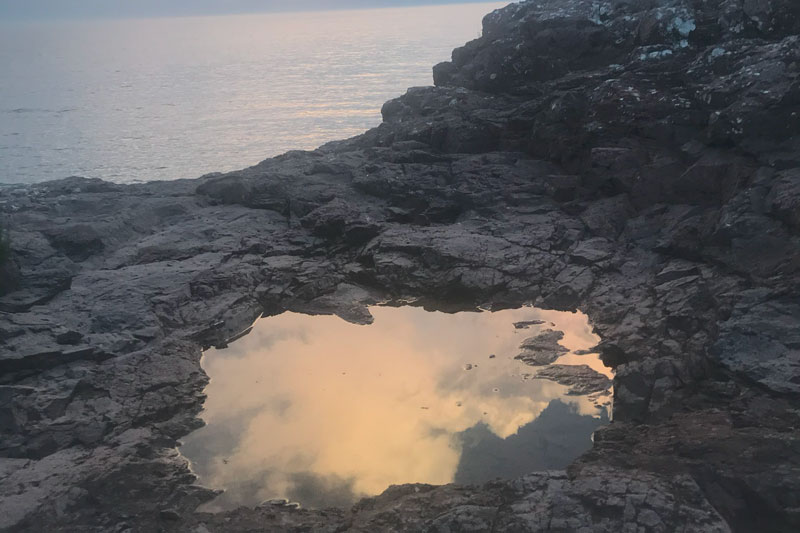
638	160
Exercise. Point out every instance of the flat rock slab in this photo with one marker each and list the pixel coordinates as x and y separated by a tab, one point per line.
525	324
581	379
543	349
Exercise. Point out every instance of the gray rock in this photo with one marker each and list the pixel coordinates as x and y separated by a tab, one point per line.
636	160
542	349
528	323
581	379
171	515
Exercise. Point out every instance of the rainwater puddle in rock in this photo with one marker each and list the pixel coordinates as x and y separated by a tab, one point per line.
323	412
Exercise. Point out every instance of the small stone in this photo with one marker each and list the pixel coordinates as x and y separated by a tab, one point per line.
528	323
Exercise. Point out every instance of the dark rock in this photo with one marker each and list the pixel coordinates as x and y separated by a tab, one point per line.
227	189
592	251
783	200
77	241
528	323
634	159
9	277
543	349
581	379
69	338
339	220
170	515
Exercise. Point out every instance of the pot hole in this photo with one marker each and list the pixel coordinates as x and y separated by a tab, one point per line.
322	412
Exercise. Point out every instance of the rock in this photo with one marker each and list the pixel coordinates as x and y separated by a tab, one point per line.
9	277
339	220
783	199
77	241
71	338
676	270
592	251
171	515
636	160
528	323
581	379
227	189
542	349
606	217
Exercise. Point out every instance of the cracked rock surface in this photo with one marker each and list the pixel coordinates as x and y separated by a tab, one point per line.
638	160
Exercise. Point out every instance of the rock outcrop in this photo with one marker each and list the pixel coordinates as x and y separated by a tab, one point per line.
581	379
639	160
543	349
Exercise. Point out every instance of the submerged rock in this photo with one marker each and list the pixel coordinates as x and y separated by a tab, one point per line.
528	323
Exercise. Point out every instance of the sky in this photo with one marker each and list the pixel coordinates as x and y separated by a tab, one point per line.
71	9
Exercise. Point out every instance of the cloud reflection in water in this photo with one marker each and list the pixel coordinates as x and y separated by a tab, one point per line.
321	411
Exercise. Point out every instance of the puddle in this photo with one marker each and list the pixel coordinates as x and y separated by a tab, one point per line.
323	412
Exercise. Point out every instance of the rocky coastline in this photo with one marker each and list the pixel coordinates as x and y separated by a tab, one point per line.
634	159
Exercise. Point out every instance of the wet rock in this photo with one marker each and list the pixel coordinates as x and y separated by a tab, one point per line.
542	349
581	379
528	323
636	160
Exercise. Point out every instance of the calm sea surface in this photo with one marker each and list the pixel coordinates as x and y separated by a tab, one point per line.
140	100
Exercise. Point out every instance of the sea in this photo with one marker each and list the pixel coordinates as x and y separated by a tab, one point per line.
136	100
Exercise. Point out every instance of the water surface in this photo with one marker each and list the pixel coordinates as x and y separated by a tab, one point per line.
138	100
322	412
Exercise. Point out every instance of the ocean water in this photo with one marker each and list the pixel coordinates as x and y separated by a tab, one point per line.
159	99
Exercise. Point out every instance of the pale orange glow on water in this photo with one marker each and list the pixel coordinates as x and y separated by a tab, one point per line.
352	409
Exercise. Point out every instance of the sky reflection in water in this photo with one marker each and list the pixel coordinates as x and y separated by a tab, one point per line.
321	411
